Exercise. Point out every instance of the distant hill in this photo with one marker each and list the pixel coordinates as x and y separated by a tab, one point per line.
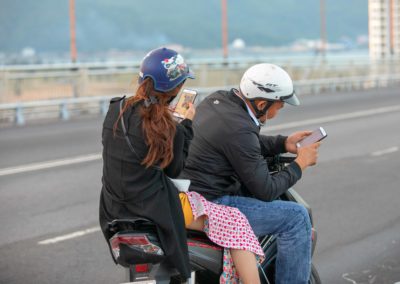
128	24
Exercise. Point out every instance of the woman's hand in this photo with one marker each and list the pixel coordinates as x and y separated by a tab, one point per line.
291	141
190	112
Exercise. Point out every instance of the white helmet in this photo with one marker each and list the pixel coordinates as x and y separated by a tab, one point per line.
268	82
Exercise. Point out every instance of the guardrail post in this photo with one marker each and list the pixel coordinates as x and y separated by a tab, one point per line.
64	114
19	115
332	87
74	81
3	87
82	81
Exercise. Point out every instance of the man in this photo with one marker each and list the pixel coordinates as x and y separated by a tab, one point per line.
226	163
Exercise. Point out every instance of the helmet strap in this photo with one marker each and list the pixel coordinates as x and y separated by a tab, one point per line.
260	113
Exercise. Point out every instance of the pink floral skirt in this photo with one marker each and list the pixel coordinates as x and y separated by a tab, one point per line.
227	227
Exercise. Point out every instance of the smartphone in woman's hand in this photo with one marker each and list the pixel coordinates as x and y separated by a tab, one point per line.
185	99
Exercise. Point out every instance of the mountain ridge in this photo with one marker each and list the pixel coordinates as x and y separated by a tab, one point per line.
136	25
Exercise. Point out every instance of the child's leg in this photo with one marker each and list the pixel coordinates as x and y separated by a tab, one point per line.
198	224
246	265
245	261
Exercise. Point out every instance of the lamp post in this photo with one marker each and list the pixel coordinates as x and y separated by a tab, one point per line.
224	29
73	51
323	28
72	31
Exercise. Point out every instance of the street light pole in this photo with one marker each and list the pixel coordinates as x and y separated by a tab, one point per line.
72	31
323	27
224	29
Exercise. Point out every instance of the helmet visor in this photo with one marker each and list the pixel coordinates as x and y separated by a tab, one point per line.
291	99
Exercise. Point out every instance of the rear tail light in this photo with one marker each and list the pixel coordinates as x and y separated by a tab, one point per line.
137	241
142	268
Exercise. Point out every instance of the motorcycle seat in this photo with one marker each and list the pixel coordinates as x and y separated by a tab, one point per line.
200	236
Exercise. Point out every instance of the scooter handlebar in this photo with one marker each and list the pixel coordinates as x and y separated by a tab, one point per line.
286	159
280	160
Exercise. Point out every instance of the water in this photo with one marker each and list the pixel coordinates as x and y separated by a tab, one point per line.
272	55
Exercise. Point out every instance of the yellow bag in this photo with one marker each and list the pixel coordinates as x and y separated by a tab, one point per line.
187	210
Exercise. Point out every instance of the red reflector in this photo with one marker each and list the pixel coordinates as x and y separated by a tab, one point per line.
140	268
312	234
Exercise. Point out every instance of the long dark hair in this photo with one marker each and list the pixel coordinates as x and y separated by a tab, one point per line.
159	127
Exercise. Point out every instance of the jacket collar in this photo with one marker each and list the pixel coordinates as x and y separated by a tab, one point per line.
243	104
238	100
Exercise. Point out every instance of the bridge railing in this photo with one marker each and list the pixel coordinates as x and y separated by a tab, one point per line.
64	109
23	83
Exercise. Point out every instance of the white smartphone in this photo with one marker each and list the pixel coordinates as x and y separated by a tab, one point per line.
315	136
187	96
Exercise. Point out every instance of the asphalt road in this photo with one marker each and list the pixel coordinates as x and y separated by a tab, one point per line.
50	179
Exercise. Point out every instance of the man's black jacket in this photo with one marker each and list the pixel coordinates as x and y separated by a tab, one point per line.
226	156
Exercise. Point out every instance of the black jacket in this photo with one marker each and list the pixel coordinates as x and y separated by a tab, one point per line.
226	156
131	190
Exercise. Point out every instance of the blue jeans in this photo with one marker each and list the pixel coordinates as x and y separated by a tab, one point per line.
290	222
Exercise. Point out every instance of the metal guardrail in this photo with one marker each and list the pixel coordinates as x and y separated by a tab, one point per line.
61	108
64	109
346	84
56	81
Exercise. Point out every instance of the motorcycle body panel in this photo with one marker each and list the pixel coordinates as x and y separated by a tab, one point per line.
206	258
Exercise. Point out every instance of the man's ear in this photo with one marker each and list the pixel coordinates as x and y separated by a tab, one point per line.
261	104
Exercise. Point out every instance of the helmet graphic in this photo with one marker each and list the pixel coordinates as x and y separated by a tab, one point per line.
268	82
166	67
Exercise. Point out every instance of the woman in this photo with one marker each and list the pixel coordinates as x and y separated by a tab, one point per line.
137	167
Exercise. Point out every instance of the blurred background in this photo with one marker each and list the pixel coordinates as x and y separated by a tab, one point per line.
62	60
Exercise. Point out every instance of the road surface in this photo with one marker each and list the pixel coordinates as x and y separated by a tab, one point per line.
50	179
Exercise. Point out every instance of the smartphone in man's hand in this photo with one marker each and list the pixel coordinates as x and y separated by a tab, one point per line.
315	136
186	98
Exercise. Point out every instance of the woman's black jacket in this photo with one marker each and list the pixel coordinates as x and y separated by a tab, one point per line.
131	190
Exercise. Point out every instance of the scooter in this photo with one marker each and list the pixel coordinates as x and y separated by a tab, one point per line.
136	247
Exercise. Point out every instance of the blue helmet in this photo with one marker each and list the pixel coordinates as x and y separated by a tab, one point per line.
166	67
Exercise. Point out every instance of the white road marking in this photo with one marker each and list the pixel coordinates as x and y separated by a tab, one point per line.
385	151
344	276
49	164
69	236
337	117
92	157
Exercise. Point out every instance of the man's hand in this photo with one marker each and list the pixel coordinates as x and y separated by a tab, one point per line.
291	141
307	156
